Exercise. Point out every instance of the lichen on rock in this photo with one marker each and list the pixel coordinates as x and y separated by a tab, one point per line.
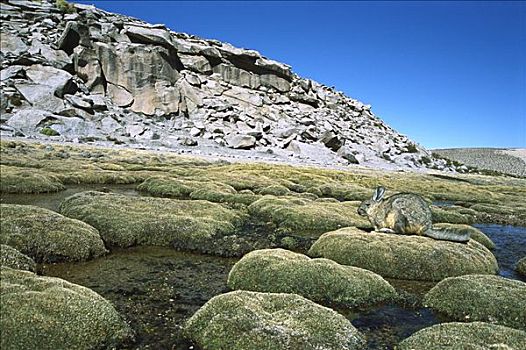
404	256
47	236
458	335
245	320
50	313
320	280
481	298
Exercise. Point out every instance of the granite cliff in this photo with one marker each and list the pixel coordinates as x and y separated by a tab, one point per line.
80	74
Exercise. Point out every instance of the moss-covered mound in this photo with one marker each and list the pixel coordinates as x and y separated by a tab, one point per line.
244	320
195	189
27	180
320	280
451	215
306	217
126	221
51	313
474	233
521	267
481	298
402	256
10	257
472	336
47	236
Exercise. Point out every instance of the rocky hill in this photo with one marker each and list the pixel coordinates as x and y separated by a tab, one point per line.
81	74
505	161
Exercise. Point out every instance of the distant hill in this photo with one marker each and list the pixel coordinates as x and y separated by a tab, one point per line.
506	161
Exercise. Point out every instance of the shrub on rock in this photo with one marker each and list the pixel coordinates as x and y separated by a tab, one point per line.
10	257
481	298
51	313
47	236
245	320
320	280
127	221
306	217
404	256
458	335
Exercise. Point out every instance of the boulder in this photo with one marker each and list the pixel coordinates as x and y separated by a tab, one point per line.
59	81
238	141
331	140
245	320
88	68
74	34
130	221
237	76
29	120
147	72
521	267
51	313
404	256
195	63
12	44
47	236
320	280
119	95
144	35
57	58
40	97
10	257
275	82
458	335
480	298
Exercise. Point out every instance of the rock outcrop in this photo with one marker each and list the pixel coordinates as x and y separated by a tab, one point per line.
93	76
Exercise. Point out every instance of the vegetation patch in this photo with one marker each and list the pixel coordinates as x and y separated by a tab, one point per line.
130	221
304	217
450	215
27	180
481	298
47	236
10	257
245	320
459	335
403	256
44	312
320	280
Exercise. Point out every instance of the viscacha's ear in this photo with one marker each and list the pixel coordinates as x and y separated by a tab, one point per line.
378	194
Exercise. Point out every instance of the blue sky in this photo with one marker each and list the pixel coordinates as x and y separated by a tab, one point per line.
446	74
